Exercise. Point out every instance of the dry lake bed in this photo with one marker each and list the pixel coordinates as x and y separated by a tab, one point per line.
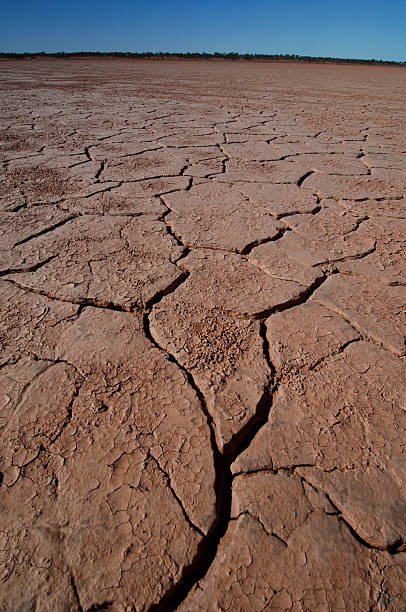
203	371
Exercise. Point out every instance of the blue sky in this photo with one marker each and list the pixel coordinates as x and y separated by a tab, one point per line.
347	28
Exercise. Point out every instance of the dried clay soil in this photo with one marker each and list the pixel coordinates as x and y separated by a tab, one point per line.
202	400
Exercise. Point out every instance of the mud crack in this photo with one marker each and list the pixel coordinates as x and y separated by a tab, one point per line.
208	547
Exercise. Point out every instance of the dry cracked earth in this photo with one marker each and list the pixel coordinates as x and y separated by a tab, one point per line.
202	402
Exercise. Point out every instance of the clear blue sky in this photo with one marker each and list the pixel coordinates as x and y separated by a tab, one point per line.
347	28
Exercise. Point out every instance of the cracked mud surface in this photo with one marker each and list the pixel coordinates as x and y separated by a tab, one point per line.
203	360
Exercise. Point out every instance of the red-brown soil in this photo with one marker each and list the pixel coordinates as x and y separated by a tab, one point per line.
203	368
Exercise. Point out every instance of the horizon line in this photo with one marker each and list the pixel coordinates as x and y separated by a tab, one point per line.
198	55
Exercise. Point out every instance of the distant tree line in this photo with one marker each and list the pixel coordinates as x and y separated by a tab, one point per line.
216	55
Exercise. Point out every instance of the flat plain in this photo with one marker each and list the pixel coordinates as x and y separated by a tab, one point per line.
203	372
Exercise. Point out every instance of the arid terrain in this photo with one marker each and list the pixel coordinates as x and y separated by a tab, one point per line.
203	371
